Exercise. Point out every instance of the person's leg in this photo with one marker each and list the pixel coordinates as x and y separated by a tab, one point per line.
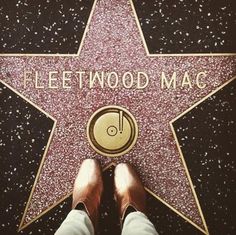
138	223
131	200
87	192
77	222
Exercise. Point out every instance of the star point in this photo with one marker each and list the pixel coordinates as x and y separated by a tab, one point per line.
112	42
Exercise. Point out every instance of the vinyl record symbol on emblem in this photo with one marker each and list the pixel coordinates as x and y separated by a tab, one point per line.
112	131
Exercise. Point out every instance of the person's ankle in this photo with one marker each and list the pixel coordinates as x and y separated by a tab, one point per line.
80	206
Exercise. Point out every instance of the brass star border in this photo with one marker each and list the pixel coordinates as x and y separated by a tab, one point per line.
141	34
21	226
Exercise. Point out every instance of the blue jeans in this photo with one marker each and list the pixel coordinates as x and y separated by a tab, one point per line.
77	222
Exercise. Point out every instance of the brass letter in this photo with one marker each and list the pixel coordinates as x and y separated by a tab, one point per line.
198	78
36	80
146	80
50	79
26	77
164	81
131	80
96	76
186	80
109	76
80	78
64	79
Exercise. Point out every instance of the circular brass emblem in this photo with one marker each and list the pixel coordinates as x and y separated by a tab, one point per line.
112	131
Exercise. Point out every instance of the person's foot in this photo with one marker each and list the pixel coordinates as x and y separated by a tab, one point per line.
129	191
88	189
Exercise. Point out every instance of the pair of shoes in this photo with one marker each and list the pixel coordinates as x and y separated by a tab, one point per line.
129	191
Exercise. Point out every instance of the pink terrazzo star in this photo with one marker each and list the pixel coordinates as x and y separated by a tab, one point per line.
113	43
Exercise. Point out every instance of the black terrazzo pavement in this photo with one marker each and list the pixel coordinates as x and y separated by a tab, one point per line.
24	132
207	136
183	26
179	26
24	135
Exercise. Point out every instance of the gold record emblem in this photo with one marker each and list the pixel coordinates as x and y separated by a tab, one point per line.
112	131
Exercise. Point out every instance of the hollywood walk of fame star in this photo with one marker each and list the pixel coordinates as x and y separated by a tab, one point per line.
113	42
